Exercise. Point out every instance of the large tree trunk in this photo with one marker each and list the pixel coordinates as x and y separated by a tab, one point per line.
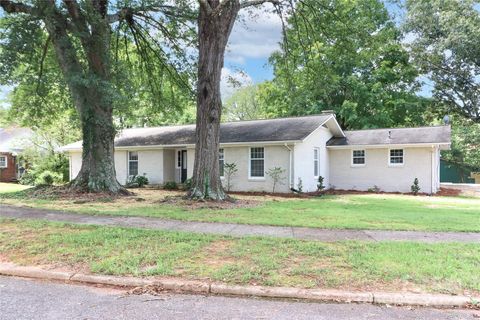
214	28
91	90
98	169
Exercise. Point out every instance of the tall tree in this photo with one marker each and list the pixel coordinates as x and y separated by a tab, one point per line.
215	22
243	105
344	55
446	45
81	34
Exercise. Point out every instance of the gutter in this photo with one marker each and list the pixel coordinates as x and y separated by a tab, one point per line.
399	145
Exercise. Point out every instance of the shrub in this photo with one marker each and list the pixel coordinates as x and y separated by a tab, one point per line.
415	187
229	170
188	184
141	180
28	178
375	189
300	185
277	176
47	178
170	185
131	183
320	185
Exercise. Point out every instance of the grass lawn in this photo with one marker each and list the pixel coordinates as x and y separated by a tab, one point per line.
366	211
447	268
11	187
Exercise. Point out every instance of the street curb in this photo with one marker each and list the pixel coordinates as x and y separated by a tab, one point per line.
203	287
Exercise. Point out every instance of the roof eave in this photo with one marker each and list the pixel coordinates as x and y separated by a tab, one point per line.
189	145
423	144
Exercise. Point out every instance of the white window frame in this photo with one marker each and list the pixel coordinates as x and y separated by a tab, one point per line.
128	163
316	166
389	158
364	158
6	161
221	152
250	163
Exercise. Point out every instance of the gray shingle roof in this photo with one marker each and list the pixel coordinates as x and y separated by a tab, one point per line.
14	139
437	134
284	129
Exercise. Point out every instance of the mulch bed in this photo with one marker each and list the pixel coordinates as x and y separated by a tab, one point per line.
449	192
67	193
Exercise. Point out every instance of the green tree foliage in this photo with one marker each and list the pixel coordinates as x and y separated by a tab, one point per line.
87	44
347	56
244	104
41	97
465	143
446	46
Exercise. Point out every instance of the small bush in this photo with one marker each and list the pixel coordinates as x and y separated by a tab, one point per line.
170	185
141	181
374	189
28	178
188	184
320	185
415	187
300	185
276	174
47	178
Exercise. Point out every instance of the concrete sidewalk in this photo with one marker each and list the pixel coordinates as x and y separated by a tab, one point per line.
238	230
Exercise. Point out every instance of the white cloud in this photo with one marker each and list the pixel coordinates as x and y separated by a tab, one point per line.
256	34
232	81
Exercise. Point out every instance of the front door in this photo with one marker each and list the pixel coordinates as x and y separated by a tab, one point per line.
183	165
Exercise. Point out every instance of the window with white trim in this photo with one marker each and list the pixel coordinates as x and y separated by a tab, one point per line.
221	161
3	161
396	156
179	159
133	163
257	162
358	157
316	161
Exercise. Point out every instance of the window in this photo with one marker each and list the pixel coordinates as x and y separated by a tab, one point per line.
179	159
133	163
257	163
221	161
358	157
396	157
3	161
316	161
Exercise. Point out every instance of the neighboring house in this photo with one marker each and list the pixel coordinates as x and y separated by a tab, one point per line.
305	147
12	141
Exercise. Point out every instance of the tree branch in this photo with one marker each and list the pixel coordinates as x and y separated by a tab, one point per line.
250	3
15	7
79	21
206	6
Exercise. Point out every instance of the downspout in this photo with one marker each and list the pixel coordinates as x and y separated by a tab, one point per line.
432	170
290	169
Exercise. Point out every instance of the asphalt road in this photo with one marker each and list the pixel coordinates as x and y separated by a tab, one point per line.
32	299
